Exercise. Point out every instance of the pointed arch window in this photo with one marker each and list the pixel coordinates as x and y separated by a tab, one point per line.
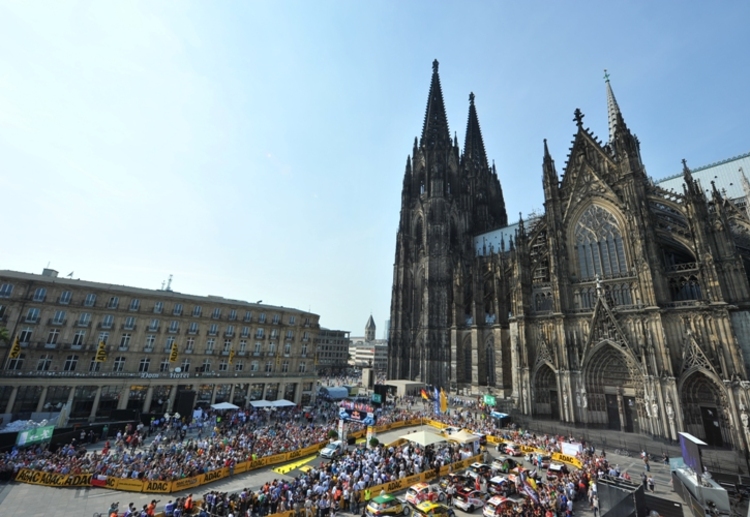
599	245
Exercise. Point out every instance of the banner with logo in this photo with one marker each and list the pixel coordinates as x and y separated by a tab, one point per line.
157	487
129	485
35	477
565	458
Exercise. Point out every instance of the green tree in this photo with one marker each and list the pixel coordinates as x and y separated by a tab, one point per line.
333	434
374	442
4	335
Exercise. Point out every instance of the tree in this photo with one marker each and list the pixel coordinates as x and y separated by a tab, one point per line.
333	434
4	335
374	442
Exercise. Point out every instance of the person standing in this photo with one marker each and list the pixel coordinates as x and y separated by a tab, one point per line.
651	483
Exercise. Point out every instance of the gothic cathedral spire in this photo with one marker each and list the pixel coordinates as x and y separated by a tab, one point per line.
435	133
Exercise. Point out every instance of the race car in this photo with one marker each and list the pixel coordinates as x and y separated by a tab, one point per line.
502	485
504	464
498	504
429	509
386	505
469	499
457	480
477	469
511	449
421	492
555	470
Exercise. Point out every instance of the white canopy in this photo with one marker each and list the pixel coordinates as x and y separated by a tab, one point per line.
423	437
224	405
463	437
261	403
282	403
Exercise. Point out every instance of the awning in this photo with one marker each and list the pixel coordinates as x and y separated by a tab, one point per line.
261	403
224	405
282	403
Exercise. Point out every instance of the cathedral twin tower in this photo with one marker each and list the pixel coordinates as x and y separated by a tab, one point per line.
624	306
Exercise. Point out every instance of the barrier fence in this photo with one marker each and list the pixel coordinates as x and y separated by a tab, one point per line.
35	477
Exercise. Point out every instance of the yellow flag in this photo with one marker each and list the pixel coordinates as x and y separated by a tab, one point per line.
101	353
231	356
15	350
173	353
443	401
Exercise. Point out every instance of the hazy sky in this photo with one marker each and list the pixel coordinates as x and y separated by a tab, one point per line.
255	150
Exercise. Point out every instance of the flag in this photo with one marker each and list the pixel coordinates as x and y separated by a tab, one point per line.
425	395
15	350
173	353
101	353
437	401
443	401
231	356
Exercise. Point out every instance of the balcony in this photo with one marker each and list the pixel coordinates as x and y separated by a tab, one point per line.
173	330
256	354
83	324
242	353
189	351
193	332
74	347
228	334
104	326
225	352
32	320
125	326
153	329
57	323
148	349
51	346
123	348
209	351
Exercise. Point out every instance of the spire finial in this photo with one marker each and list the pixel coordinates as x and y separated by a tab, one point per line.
578	117
613	110
471	98
435	65
606	76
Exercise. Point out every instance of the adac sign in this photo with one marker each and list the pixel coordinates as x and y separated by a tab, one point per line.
159	487
48	479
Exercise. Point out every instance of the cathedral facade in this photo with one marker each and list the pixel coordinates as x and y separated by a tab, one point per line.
624	306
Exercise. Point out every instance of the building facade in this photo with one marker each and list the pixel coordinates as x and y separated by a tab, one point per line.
366	351
223	350
626	305
332	350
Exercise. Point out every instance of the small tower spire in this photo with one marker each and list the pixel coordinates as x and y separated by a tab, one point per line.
613	110
474	152
435	133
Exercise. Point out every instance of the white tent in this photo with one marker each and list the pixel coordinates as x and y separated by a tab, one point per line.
224	405
261	403
463	437
423	437
282	403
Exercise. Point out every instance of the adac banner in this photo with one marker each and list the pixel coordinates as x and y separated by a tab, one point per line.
157	487
567	459
35	477
128	485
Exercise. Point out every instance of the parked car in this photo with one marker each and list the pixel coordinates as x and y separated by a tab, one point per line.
504	464
333	449
469	499
497	505
457	480
421	492
512	449
478	469
502	485
555	470
430	509
386	505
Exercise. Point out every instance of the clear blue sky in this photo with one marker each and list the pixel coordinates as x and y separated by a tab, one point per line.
255	150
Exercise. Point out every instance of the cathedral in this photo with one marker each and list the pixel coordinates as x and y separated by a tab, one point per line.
623	306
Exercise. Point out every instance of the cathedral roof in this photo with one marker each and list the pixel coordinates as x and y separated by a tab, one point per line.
370	323
727	175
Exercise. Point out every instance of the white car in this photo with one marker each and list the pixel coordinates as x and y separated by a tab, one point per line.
332	450
469	499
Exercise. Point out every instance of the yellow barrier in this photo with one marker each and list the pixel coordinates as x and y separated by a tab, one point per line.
35	477
567	459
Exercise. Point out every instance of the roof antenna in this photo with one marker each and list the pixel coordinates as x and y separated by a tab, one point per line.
162	284
169	283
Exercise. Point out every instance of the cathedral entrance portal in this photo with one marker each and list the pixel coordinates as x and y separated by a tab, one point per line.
702	403
611	384
546	402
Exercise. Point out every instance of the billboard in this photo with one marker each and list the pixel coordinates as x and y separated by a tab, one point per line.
357	412
37	435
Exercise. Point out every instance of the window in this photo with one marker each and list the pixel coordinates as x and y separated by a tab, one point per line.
210	342
256	350
230	330
206	366
305	336
177	311
290	334
44	363
287	348
119	364
248	316
271	348
197	311
79	338
6	290
259	334
40	294
275	320
174	326
307	322
245	332
124	341
153	325
70	363
94	366
129	323
158	307
269	366
223	365
285	367
302	367
233	315
150	340
2	310
17	363
227	345
243	346
274	333
90	300
599	246
216	314
262	317
164	366
185	366
213	329
113	302
65	297
108	321
144	364
193	328
190	344
238	366
84	319
59	318
292	319
254	366
303	351
103	337
32	316
170	341
53	336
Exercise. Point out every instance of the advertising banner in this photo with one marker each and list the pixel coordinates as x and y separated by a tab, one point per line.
185	483
157	487
35	477
567	459
129	485
357	411
37	435
241	467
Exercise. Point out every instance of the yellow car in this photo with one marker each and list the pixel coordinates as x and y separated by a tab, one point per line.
430	509
386	505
